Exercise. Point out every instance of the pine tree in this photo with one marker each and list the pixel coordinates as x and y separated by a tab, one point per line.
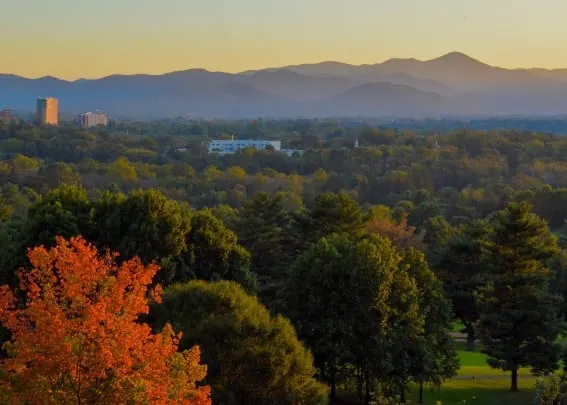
460	265
519	319
259	230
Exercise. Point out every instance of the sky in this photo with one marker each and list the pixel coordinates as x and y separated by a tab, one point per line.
71	39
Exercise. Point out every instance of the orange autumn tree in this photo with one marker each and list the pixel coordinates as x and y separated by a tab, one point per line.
76	339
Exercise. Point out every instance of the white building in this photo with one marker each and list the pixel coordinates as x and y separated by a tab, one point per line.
291	152
230	146
89	119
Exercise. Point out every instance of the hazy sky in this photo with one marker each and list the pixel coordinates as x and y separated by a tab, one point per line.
80	38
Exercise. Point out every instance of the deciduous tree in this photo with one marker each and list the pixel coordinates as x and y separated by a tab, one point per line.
77	340
253	357
214	253
345	296
145	224
433	354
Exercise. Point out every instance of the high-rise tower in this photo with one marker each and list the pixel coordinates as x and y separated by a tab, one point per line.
48	111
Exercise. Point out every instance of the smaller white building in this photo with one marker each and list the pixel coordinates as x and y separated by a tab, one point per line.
291	152
230	146
90	119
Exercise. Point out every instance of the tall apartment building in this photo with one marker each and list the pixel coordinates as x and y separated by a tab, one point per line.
48	111
90	119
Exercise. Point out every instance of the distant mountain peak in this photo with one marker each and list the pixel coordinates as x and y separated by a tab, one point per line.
456	57
48	77
451	57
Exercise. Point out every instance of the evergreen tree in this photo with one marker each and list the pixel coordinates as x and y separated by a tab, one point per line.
519	320
260	231
460	265
335	213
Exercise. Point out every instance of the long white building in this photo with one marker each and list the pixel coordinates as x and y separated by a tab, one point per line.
230	146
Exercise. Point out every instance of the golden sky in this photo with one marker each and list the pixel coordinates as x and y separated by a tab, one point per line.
78	38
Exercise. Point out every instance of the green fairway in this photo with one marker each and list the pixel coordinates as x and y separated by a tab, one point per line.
481	392
478	383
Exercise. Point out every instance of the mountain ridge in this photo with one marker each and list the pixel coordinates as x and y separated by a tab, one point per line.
453	83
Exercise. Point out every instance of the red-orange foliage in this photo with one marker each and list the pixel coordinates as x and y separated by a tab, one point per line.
76	340
399	232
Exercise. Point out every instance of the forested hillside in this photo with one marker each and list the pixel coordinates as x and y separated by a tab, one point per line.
340	270
455	174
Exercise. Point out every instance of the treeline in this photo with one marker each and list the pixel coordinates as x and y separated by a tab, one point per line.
371	297
363	295
460	174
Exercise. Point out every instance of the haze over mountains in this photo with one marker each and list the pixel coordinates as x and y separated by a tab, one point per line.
451	85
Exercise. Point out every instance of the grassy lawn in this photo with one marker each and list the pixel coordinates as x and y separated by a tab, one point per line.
477	383
481	392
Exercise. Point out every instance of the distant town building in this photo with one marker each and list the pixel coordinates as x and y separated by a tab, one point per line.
291	152
90	119
223	147
48	111
230	146
6	115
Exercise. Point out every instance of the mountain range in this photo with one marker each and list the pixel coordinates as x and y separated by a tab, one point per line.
451	85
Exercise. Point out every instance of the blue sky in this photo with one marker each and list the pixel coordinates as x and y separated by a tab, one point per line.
79	38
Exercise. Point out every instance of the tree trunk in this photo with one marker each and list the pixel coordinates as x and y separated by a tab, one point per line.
360	383
421	393
333	385
514	385
470	339
368	396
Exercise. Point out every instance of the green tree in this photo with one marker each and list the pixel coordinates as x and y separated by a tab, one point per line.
342	296
433	354
252	357
438	233
145	224
461	266
214	253
260	231
57	174
5	210
123	171
334	213
64	211
519	320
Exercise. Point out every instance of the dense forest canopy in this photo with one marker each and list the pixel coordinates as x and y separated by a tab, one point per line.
455	174
355	257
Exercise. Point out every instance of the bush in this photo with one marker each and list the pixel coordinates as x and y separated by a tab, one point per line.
551	390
